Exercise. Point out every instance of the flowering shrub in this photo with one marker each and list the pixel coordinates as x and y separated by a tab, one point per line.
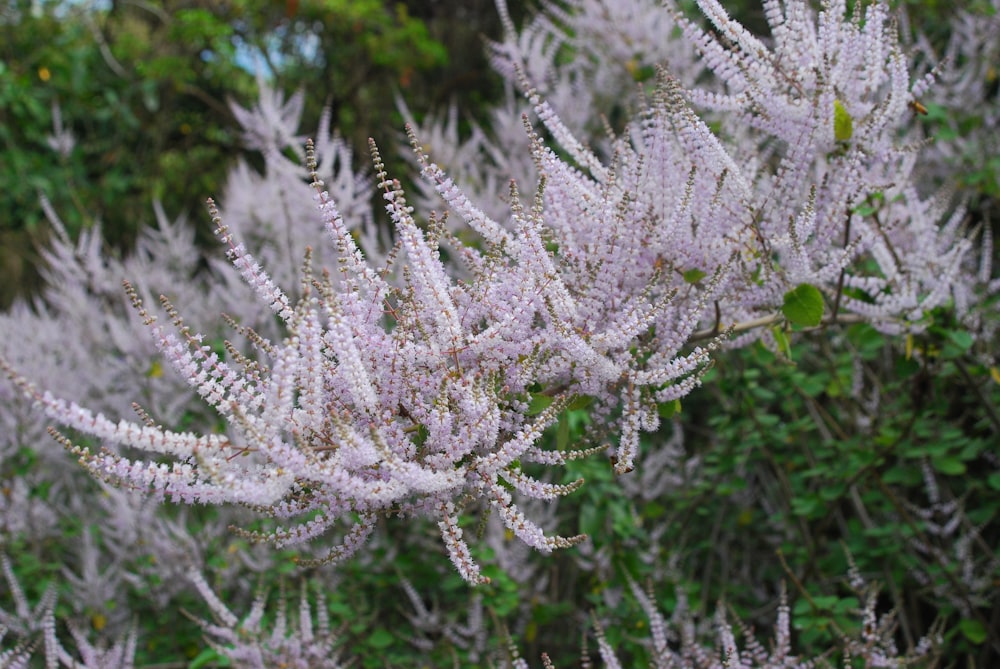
474	362
245	643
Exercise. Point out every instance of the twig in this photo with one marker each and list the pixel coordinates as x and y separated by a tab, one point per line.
805	593
763	321
991	411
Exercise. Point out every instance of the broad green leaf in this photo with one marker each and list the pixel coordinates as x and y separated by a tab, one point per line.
825	602
949	465
973	630
668	409
961	339
380	638
693	275
803	305
843	126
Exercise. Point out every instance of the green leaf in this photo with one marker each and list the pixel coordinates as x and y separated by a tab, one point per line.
209	657
949	465
865	209
973	630
589	520
906	476
341	609
421	435
803	305
843	126
693	275
803	506
380	638
640	73
562	432
668	409
825	602
781	339
538	403
961	339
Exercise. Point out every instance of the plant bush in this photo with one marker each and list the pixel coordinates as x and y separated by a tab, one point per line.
831	486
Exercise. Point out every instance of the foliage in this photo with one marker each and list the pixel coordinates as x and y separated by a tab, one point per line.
355	55
130	113
117	108
854	449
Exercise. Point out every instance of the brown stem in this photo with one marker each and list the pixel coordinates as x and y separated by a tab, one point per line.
764	321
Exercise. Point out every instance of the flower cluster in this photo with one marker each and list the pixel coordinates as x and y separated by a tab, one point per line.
418	382
817	137
309	645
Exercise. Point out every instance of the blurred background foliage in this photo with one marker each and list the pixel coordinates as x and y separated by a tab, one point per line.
143	86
